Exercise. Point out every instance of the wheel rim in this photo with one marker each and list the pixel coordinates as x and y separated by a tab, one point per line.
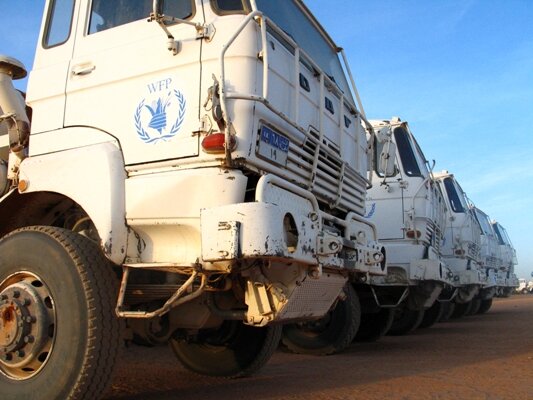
27	325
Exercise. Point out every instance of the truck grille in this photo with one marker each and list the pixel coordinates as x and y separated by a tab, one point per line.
334	181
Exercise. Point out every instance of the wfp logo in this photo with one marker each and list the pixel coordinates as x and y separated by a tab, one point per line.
160	115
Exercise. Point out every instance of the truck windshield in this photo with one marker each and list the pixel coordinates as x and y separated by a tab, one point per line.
498	234
502	234
456	199
483	222
506	238
406	151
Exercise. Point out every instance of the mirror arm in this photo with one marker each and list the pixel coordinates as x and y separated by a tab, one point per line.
173	45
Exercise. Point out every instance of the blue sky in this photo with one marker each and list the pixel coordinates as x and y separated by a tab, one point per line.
460	71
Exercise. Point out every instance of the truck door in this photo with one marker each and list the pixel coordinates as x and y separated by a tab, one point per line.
390	192
124	81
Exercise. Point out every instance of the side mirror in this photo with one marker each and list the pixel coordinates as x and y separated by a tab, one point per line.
387	158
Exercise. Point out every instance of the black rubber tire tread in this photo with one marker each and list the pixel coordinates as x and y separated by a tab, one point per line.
249	351
84	292
345	319
432	315
374	325
461	310
474	308
485	306
449	308
405	321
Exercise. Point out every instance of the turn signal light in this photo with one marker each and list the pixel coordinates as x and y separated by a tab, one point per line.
215	143
413	234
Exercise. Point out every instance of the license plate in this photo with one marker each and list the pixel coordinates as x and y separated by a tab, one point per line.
273	146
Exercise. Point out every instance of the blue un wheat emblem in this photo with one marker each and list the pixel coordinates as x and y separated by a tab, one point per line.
161	119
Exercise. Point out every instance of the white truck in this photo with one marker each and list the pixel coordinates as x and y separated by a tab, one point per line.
461	251
196	168
490	255
407	206
524	286
508	261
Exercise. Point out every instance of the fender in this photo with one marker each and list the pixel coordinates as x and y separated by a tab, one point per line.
93	176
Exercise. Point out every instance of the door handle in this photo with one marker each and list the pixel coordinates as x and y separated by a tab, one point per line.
81	70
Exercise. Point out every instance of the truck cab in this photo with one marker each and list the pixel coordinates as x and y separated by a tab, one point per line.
408	207
462	242
508	259
209	154
491	256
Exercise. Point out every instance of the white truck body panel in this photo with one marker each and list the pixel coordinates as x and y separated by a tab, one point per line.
97	184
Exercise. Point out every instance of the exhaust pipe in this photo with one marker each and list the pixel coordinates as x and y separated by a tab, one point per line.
13	113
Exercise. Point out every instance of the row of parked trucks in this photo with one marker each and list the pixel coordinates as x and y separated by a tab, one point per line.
201	173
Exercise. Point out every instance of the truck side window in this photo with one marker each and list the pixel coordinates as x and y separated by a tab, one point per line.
228	6
453	196
106	14
407	154
59	22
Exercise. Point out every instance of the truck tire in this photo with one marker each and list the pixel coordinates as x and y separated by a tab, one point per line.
476	304
58	331
461	310
485	306
330	334
449	308
432	315
234	350
374	325
405	321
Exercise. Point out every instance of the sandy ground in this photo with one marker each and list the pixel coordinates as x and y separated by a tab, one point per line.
485	357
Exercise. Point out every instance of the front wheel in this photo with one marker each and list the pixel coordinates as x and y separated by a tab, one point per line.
432	315
330	334
485	306
461	310
59	337
474	308
233	350
405	321
375	325
449	308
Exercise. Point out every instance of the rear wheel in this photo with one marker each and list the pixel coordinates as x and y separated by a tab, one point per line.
234	350
405	321
375	325
330	334
461	310
59	337
485	306
432	315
